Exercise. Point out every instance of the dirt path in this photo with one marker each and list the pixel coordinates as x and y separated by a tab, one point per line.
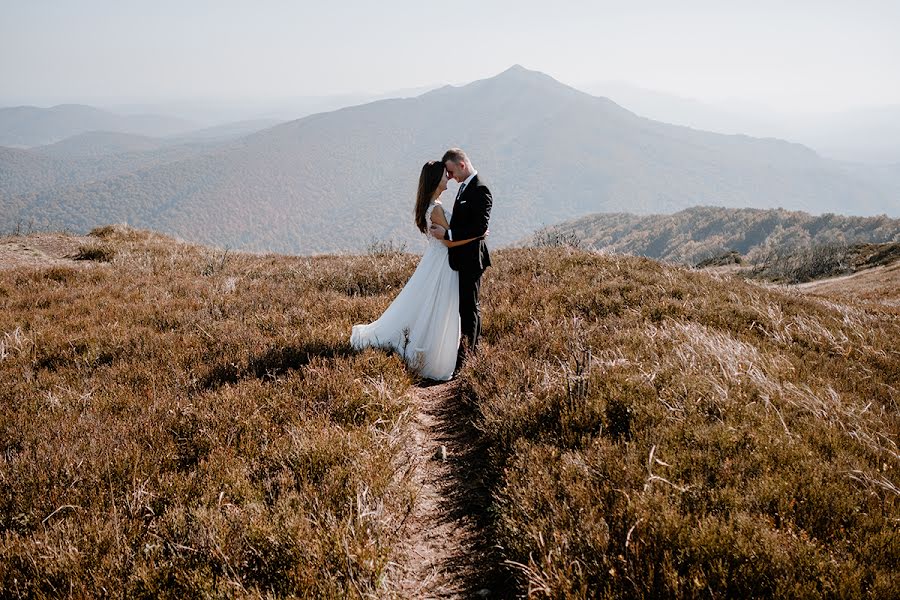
880	285
40	250
831	281
447	553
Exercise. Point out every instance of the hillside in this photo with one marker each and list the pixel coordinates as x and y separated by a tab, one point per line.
92	144
98	144
26	126
699	233
336	181
96	156
179	421
85	158
226	131
24	170
865	135
879	284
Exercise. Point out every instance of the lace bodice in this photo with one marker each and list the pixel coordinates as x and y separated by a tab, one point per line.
428	212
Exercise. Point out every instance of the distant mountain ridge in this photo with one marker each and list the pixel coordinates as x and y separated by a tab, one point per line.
95	144
704	232
100	155
336	181
870	135
99	143
226	131
27	126
83	158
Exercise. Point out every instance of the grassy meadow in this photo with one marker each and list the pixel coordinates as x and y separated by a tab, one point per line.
178	421
658	432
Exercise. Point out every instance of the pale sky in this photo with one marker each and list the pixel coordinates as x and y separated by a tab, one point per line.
790	55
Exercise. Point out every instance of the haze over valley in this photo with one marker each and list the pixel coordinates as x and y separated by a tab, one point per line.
550	151
297	129
862	135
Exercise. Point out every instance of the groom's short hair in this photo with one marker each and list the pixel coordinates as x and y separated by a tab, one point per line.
455	155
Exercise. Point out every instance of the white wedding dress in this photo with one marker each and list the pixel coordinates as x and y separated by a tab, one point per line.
422	323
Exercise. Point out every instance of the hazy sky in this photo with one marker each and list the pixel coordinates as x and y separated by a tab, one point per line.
796	54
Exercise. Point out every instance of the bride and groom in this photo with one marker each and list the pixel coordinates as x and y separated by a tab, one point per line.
435	320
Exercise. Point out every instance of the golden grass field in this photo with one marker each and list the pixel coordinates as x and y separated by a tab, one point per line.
179	421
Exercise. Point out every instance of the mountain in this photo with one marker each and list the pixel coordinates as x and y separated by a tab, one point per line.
83	158
226	131
337	181
26	126
679	110
870	135
699	233
99	143
867	135
97	156
22	171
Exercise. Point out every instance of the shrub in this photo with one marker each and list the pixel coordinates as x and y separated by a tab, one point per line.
554	238
804	264
97	253
732	257
382	248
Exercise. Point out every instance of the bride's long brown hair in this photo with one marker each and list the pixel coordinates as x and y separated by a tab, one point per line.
429	179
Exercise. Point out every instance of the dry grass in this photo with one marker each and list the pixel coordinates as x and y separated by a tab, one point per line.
878	286
181	422
658	432
178	422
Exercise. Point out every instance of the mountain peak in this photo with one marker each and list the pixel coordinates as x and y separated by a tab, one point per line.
517	68
521	73
518	76
515	76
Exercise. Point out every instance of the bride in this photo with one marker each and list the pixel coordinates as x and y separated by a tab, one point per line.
422	323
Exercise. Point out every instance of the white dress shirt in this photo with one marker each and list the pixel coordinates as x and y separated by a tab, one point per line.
464	183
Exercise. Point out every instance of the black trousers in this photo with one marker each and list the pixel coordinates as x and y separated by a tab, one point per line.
469	313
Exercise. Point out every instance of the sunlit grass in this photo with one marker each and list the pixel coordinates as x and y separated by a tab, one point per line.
179	421
657	432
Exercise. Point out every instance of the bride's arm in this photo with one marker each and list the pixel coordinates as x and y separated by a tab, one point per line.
439	218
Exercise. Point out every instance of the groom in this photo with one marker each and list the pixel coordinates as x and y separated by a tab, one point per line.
471	213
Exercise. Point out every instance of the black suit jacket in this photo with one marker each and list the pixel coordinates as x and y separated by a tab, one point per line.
471	213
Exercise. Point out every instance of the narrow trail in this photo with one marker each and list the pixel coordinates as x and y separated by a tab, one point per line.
41	250
447	553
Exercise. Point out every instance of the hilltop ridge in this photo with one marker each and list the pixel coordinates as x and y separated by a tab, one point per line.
704	232
34	126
